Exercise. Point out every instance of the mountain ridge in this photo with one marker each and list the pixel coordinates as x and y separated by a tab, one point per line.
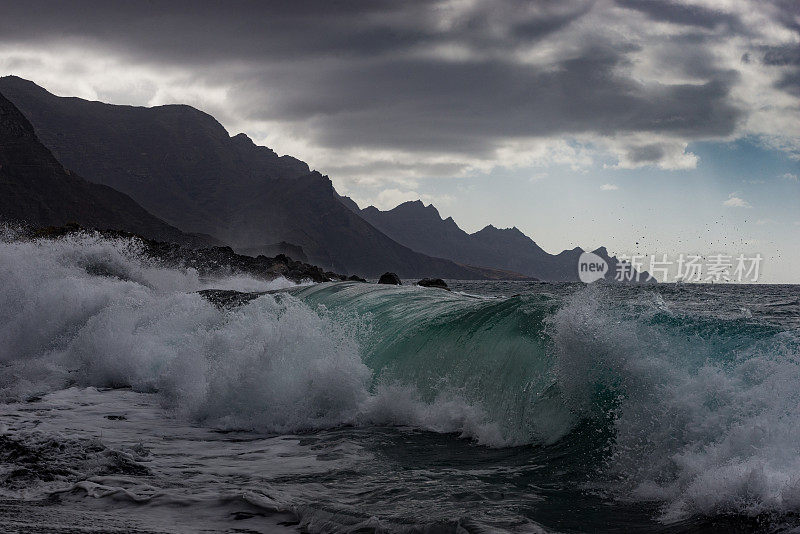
414	224
37	190
181	164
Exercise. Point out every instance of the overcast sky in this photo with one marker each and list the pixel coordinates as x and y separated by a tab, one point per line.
645	125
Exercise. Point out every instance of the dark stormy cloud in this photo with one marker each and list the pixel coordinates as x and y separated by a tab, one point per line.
686	14
411	89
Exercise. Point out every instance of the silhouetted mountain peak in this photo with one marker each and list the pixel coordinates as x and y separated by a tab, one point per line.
371	209
507	233
248	147
37	190
20	82
417	208
409	205
182	165
452	226
243	139
500	248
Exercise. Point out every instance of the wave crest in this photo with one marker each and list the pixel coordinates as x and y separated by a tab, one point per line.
701	413
705	413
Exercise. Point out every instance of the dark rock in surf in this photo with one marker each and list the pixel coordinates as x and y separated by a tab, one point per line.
354	278
293	251
433	282
227	298
334	277
390	279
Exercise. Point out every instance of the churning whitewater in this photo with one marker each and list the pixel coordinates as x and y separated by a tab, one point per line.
356	406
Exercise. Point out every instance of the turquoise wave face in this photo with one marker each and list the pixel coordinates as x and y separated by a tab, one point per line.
561	356
493	354
698	410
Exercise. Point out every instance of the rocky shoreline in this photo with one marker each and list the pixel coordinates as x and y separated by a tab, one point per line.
220	261
209	261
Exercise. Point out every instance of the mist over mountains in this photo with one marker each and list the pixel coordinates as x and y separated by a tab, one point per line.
181	165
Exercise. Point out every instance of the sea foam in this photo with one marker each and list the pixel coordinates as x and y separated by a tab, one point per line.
91	311
705	413
702	412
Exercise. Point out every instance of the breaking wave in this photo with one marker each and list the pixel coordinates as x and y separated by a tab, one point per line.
700	413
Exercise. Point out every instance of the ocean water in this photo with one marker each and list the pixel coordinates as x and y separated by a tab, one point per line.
128	402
